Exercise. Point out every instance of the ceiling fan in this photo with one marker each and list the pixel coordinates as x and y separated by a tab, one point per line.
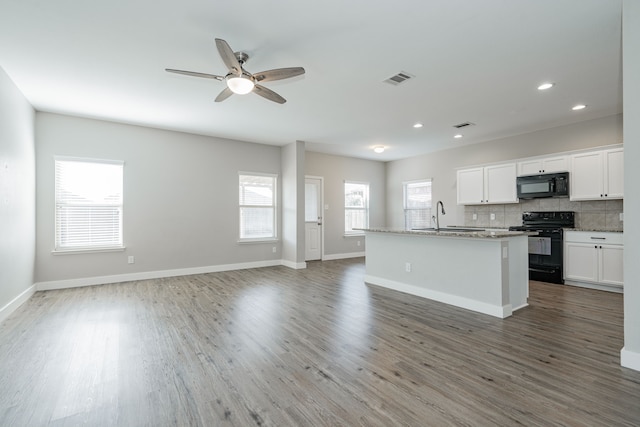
239	80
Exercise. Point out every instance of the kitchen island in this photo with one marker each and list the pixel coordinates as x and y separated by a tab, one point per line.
483	271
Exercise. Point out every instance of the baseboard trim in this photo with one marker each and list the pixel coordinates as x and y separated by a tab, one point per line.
630	359
599	287
146	275
13	305
333	257
466	303
294	265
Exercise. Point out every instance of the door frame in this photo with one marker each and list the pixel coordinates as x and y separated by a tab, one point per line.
322	210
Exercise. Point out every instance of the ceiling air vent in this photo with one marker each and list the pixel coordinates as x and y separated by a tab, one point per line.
401	77
463	125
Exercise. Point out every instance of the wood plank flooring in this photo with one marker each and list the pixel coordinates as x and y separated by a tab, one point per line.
315	347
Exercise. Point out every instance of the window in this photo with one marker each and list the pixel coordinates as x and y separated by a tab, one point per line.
417	204
356	207
88	204
257	207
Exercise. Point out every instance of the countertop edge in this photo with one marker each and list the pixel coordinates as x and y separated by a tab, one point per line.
466	234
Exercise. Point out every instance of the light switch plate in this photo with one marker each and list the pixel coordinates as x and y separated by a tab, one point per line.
475	217
621	216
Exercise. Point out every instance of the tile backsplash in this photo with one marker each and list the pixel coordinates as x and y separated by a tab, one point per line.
601	215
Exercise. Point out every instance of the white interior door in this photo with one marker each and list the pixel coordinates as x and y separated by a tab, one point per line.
313	218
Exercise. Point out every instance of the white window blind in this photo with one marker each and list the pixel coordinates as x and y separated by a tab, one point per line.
257	207
356	207
417	204
88	204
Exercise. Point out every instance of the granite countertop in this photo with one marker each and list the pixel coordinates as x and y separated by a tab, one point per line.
593	230
482	234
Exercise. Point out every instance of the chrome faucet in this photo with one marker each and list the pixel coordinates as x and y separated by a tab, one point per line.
437	216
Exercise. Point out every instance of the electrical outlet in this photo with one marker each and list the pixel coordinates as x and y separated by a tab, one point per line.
492	217
274	249
407	267
131	259
358	242
475	217
621	216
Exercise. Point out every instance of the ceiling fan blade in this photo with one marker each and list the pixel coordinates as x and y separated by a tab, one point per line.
195	74
228	57
278	74
226	92
268	94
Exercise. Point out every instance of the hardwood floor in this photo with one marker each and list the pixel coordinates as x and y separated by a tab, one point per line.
315	347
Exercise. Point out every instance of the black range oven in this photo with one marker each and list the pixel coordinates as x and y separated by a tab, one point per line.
545	248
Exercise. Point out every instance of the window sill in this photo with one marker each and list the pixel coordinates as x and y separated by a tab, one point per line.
87	250
252	241
354	234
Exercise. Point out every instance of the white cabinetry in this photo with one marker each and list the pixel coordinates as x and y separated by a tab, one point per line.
597	175
594	259
543	165
489	184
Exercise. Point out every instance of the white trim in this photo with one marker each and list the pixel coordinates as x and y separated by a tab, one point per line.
520	306
145	275
294	265
630	359
469	304
332	257
600	287
88	160
88	250
13	305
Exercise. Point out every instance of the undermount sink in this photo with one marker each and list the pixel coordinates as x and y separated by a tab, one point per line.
450	229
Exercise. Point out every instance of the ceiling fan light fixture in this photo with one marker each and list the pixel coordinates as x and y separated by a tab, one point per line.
241	84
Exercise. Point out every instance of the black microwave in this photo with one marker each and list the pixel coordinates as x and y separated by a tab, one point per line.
543	185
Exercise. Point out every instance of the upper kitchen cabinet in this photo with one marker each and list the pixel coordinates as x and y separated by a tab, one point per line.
543	165
597	175
489	184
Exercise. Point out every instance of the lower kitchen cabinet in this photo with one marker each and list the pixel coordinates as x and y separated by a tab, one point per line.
594	259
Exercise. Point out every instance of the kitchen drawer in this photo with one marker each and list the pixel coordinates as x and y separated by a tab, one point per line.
599	237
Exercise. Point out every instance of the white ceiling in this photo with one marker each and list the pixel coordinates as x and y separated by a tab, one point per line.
477	61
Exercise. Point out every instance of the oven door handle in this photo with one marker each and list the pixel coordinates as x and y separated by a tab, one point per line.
598	238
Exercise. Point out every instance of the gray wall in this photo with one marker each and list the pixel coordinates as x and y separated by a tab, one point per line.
631	71
441	166
17	193
335	170
180	197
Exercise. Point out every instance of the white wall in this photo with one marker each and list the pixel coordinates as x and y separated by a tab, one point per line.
180	197
17	197
631	73
335	170
441	166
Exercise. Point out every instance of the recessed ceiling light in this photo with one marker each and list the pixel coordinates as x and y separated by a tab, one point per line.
417	125
378	149
545	86
579	107
457	136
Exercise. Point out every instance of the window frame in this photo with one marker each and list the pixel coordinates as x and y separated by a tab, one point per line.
367	198
273	207
406	209
60	203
